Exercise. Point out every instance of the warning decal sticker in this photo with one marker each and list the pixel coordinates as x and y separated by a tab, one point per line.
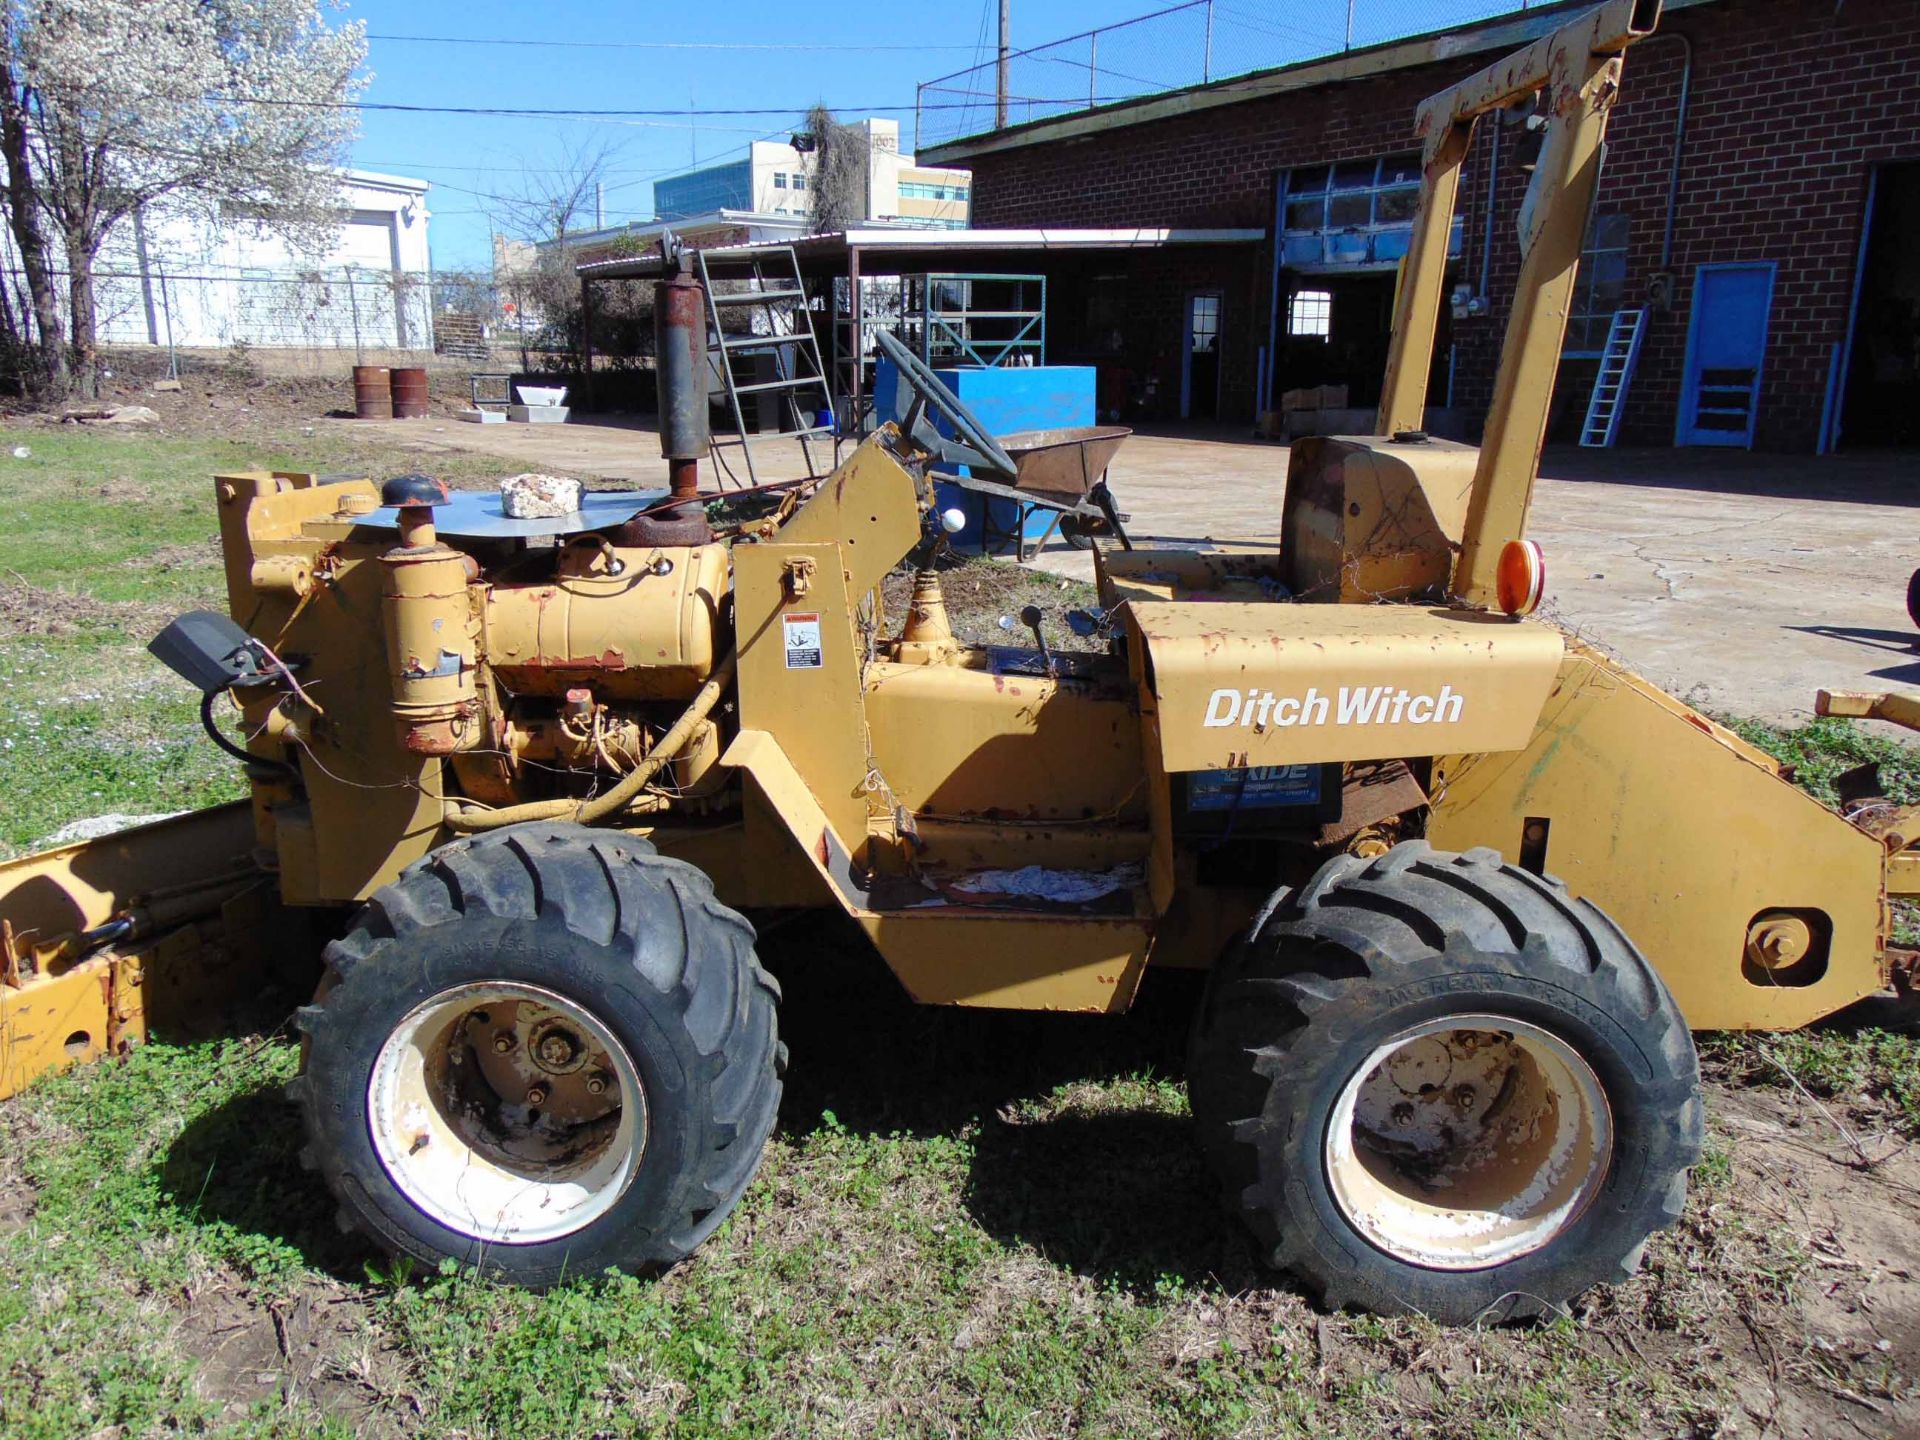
802	633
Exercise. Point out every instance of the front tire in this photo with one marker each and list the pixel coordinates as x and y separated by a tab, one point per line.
546	1051
1437	1083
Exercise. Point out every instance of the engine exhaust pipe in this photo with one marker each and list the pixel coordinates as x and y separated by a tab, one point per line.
680	365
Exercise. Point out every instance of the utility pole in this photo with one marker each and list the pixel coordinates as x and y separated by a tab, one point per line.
599	205
1000	71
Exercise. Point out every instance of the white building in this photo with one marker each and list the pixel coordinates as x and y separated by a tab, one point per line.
773	179
764	195
189	281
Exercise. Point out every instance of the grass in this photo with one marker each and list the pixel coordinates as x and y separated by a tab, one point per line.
888	1282
967	1224
1823	750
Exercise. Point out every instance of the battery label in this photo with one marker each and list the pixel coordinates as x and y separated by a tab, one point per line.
1261	787
802	635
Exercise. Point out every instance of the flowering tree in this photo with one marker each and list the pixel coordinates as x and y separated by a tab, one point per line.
240	108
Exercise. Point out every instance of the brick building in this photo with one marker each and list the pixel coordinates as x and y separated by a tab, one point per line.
1761	198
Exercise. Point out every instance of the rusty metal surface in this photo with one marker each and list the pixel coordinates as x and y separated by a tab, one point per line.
372	392
1063	463
410	396
1372	519
680	357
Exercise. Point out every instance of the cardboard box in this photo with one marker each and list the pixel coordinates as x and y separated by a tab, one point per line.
1314	397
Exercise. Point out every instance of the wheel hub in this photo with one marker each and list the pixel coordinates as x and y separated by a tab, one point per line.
1467	1142
556	1048
507	1113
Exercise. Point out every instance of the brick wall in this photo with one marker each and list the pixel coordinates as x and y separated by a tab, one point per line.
1793	103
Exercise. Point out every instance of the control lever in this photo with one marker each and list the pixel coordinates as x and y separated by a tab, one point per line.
945	524
1031	617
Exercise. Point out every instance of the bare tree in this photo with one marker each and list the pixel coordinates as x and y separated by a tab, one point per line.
240	109
837	192
546	202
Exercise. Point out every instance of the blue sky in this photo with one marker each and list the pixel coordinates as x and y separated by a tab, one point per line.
869	55
490	154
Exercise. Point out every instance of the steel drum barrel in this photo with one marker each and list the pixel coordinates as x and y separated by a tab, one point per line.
372	392
409	392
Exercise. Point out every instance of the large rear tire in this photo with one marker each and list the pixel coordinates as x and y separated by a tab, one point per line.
546	1051
1437	1083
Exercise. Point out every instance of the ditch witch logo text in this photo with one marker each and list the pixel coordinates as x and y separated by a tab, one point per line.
1352	705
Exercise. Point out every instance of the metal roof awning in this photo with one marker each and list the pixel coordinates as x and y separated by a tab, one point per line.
927	250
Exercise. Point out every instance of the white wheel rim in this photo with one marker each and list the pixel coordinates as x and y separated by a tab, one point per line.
1467	1142
507	1113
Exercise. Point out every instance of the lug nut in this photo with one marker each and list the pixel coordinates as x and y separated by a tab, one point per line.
1463	1095
503	1042
596	1085
1402	1114
537	1095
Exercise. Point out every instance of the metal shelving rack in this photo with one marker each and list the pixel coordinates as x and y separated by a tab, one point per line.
964	321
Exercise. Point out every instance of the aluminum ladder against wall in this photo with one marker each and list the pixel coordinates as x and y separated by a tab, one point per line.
765	288
1610	386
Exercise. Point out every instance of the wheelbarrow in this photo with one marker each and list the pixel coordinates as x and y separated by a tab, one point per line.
1063	472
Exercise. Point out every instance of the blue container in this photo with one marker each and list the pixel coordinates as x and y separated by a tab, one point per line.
1006	401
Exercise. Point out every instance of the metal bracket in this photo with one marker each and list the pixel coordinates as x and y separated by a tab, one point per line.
797	576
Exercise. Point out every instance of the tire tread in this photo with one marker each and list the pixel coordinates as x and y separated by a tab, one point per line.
661	912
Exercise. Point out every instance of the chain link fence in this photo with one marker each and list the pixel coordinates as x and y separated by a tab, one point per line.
1189	44
314	317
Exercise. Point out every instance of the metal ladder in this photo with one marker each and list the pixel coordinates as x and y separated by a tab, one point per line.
1610	386
778	328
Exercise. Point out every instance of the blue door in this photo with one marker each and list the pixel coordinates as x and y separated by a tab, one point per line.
1726	352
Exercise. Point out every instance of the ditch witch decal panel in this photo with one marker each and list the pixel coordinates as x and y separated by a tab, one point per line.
1283	684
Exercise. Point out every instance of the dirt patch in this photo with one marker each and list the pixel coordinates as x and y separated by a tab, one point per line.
315	1344
31	610
980	591
1837	1351
195	556
231	394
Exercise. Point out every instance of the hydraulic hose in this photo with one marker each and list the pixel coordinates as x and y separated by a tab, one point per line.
219	737
602	807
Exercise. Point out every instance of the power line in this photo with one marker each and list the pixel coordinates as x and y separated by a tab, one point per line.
576	114
649	44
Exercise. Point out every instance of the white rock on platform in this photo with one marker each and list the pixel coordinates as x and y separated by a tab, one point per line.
534	496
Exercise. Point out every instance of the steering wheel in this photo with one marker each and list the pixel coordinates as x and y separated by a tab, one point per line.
976	448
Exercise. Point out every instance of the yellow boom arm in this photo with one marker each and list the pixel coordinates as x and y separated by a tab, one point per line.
1578	66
